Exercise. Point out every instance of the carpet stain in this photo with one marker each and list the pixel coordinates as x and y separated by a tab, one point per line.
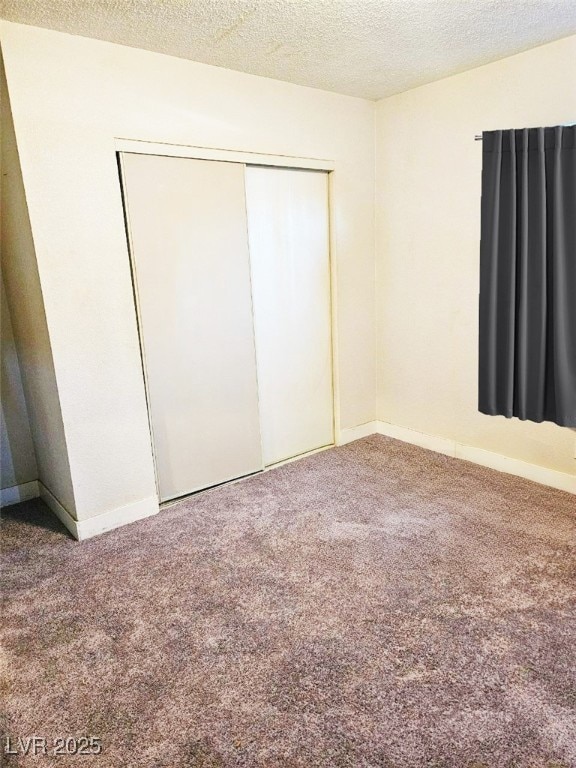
372	606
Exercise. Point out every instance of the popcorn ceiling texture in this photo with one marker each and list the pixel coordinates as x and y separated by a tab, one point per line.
372	606
368	48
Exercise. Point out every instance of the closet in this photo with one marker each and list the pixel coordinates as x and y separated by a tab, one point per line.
231	275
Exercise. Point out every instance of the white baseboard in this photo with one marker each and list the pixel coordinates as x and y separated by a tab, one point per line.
555	479
432	442
560	480
107	521
115	518
17	493
355	433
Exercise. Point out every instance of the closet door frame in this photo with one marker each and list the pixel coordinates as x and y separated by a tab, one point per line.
137	146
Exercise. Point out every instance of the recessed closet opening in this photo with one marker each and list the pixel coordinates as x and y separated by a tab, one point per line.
232	282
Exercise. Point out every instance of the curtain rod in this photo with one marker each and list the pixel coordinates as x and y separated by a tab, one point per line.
478	136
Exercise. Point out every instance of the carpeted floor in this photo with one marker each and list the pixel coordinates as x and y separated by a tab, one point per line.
372	605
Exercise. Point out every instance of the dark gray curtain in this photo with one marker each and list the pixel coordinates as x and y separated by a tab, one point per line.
527	365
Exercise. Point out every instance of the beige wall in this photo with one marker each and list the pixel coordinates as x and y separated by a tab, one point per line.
38	396
70	97
427	228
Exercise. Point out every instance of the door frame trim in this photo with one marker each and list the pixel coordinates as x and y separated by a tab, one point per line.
142	147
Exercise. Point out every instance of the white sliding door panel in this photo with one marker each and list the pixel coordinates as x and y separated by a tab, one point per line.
187	228
289	257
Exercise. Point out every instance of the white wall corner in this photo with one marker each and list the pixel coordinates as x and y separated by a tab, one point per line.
355	433
62	514
107	521
17	493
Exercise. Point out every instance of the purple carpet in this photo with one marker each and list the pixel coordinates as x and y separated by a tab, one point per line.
373	606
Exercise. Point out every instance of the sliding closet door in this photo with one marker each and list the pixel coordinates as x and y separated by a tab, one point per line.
289	256
187	228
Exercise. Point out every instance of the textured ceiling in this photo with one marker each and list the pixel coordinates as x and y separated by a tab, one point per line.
369	48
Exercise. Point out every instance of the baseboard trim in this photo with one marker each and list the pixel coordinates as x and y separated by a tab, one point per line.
355	433
115	518
431	442
551	477
107	521
17	493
